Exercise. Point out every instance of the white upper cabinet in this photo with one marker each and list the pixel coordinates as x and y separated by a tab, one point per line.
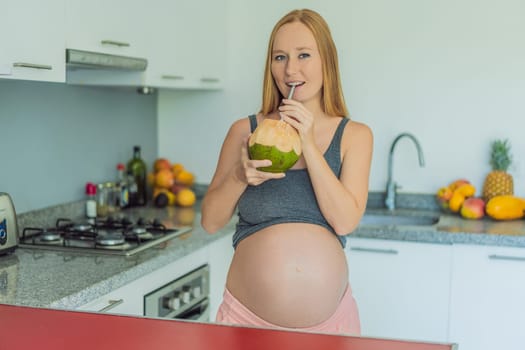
115	27
187	45
32	40
184	41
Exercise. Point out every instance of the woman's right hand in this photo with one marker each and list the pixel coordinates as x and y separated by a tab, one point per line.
248	171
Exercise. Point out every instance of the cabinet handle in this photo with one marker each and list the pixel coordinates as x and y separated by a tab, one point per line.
506	257
114	43
172	77
210	80
111	305
375	250
32	65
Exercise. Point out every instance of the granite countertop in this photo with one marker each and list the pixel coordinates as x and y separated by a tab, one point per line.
449	229
42	278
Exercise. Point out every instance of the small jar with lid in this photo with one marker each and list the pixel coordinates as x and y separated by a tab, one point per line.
106	201
91	202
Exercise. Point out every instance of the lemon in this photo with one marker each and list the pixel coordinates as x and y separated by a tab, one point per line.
186	197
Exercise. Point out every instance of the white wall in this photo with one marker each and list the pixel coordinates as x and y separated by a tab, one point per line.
56	137
450	72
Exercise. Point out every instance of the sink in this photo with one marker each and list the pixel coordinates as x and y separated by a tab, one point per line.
397	219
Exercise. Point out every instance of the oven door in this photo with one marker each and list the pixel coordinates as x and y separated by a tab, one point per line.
199	312
184	298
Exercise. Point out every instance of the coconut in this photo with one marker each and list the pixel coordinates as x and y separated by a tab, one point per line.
277	141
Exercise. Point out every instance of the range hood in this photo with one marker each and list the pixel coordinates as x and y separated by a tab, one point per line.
79	59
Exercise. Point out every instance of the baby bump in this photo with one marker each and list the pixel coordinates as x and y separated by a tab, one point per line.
292	274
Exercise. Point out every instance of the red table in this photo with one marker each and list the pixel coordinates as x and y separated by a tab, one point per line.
37	328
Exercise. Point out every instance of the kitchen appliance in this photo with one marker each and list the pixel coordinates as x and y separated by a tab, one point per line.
115	236
76	59
184	298
8	225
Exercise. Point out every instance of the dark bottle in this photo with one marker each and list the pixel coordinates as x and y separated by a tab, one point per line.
137	167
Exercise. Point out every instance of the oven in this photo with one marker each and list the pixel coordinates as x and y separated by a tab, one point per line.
185	298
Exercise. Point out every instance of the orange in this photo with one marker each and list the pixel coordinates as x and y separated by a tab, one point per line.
176	169
185	178
186	197
164	178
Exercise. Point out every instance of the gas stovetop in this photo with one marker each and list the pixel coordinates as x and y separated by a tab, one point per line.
102	236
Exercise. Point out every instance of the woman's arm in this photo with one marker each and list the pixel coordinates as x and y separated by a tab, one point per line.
234	172
343	201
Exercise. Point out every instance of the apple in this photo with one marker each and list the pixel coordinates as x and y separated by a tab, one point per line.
443	195
160	164
473	208
176	187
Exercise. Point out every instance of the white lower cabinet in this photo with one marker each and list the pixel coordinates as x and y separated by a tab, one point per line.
402	289
125	300
488	298
220	256
129	299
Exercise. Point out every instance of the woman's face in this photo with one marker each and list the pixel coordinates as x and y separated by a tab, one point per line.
296	59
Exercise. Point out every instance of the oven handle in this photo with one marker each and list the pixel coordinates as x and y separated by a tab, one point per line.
111	304
205	316
202	309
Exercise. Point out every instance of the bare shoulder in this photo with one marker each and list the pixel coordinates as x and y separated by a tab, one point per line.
357	133
239	129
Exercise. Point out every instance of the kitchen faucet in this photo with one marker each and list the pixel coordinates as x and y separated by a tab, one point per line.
391	185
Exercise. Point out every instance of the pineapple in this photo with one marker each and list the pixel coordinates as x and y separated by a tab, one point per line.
498	182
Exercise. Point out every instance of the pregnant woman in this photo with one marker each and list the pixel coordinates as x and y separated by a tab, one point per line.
289	269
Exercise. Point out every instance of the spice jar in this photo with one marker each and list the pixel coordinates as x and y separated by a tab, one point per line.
106	199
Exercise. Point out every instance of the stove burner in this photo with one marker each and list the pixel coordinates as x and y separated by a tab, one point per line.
126	222
82	227
110	238
49	236
139	230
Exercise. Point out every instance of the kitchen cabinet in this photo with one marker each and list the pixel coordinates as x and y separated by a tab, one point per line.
488	298
129	299
33	43
188	45
125	300
184	45
401	288
114	27
220	256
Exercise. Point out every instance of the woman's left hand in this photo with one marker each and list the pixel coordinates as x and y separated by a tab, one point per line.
297	115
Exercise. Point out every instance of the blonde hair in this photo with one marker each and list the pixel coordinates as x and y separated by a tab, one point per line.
332	99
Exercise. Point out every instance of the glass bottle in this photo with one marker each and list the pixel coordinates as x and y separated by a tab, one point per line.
121	187
137	167
102	201
132	189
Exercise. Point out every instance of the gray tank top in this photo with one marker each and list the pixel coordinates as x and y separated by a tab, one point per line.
286	200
